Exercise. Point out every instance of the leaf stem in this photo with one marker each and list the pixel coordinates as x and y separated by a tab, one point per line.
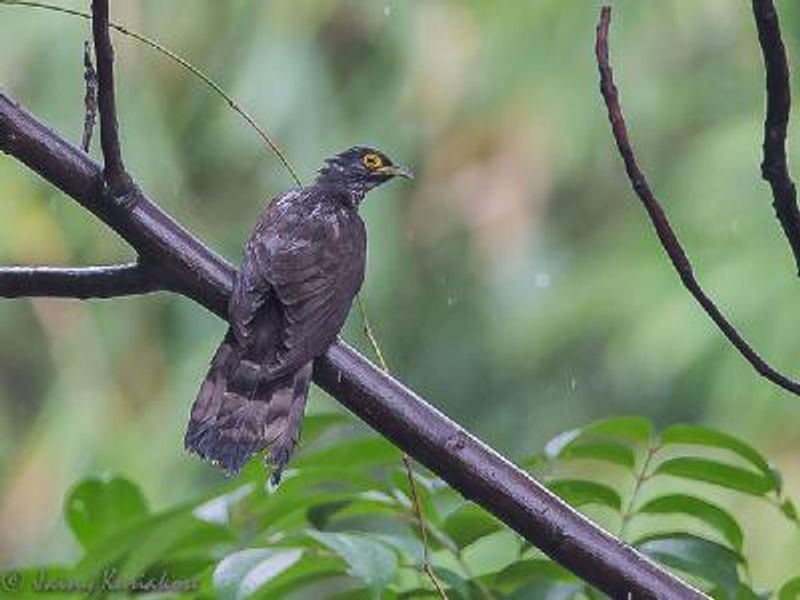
427	568
641	477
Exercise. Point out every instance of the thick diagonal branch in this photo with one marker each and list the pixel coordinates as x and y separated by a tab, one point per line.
472	468
774	168
666	235
83	282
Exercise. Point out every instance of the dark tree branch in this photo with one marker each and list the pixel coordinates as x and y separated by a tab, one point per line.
774	168
658	217
89	98
116	177
485	477
473	469
83	282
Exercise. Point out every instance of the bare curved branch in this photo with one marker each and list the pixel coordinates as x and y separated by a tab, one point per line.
658	217
774	168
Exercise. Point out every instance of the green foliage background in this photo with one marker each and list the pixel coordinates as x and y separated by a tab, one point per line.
342	524
516	283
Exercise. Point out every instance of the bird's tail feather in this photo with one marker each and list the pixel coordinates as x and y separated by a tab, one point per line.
238	412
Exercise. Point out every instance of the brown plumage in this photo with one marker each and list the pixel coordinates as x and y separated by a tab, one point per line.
303	265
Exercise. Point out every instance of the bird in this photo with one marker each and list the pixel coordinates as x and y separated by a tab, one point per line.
302	266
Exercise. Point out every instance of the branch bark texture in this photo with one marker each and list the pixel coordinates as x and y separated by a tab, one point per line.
83	283
115	175
775	168
177	261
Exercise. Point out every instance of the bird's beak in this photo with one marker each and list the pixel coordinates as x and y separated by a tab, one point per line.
397	171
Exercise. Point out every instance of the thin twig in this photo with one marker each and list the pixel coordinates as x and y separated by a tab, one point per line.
373	341
158	47
83	282
641	477
658	217
774	168
426	563
426	559
89	98
114	170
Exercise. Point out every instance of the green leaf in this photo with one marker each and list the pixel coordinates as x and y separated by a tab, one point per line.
790	590
703	436
299	575
301	490
359	452
694	555
316	425
405	545
777	478
186	570
368	594
240	574
554	447
534	462
343	514
179	532
369	560
218	510
628	429
712	515
110	550
523	572
634	429
579	492
331	477
456	584
743	592
469	523
547	590
95	508
425	489
282	512
717	473
319	515
788	509
606	451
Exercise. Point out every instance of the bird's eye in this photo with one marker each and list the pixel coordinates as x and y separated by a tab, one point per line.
372	161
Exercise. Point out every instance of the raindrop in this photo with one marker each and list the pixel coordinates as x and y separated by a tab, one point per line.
387	11
543	280
573	383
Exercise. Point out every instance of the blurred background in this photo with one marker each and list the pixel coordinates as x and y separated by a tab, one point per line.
516	283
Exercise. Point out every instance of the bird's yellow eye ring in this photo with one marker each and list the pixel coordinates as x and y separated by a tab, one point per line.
372	161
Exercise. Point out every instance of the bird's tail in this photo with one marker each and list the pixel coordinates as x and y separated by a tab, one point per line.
238	412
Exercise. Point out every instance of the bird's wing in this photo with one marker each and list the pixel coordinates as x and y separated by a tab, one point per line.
297	283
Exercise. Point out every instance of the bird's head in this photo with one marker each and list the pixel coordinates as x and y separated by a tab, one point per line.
360	169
